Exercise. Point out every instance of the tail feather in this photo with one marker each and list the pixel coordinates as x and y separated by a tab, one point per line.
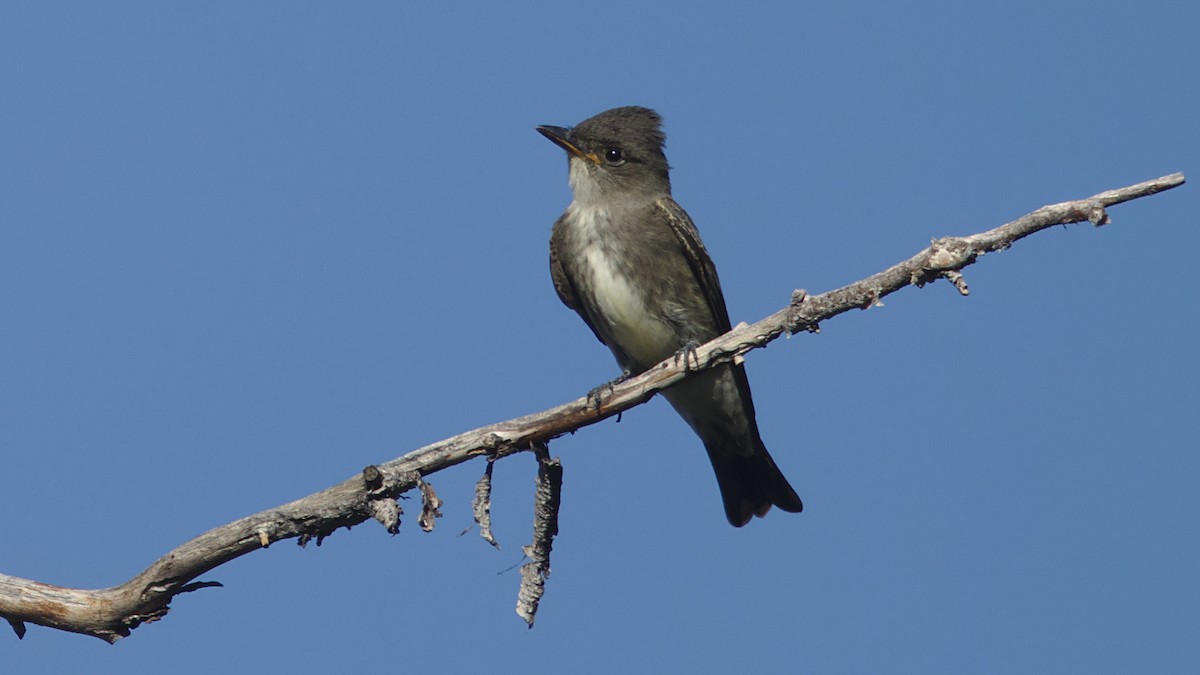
718	407
751	485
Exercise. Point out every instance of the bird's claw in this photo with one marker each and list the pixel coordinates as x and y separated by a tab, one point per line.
595	397
688	352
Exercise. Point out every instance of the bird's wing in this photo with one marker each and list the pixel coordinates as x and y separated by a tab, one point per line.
697	259
564	284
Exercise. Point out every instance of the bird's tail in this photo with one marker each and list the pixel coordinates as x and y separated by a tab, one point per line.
751	484
718	407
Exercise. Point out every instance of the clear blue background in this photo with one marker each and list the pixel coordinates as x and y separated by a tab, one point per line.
248	248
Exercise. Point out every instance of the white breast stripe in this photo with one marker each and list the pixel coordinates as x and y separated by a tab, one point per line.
643	335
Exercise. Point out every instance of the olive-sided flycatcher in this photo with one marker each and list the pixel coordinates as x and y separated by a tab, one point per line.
628	259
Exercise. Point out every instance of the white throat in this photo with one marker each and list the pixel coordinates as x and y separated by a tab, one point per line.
584	186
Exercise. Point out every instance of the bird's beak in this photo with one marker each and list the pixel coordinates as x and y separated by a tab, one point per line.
560	136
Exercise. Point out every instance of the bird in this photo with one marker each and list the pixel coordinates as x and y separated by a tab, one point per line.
629	260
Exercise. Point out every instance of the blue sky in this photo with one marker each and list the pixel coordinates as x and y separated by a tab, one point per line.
248	248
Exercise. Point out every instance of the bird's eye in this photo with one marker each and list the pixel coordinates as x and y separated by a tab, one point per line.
614	156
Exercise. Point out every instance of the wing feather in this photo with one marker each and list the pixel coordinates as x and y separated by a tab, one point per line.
698	260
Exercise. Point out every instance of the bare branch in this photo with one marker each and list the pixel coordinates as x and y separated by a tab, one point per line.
112	613
548	497
481	507
430	507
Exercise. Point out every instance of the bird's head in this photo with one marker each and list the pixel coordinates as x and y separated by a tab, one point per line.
618	152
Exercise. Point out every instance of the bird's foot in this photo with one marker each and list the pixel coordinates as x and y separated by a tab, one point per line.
688	353
596	396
